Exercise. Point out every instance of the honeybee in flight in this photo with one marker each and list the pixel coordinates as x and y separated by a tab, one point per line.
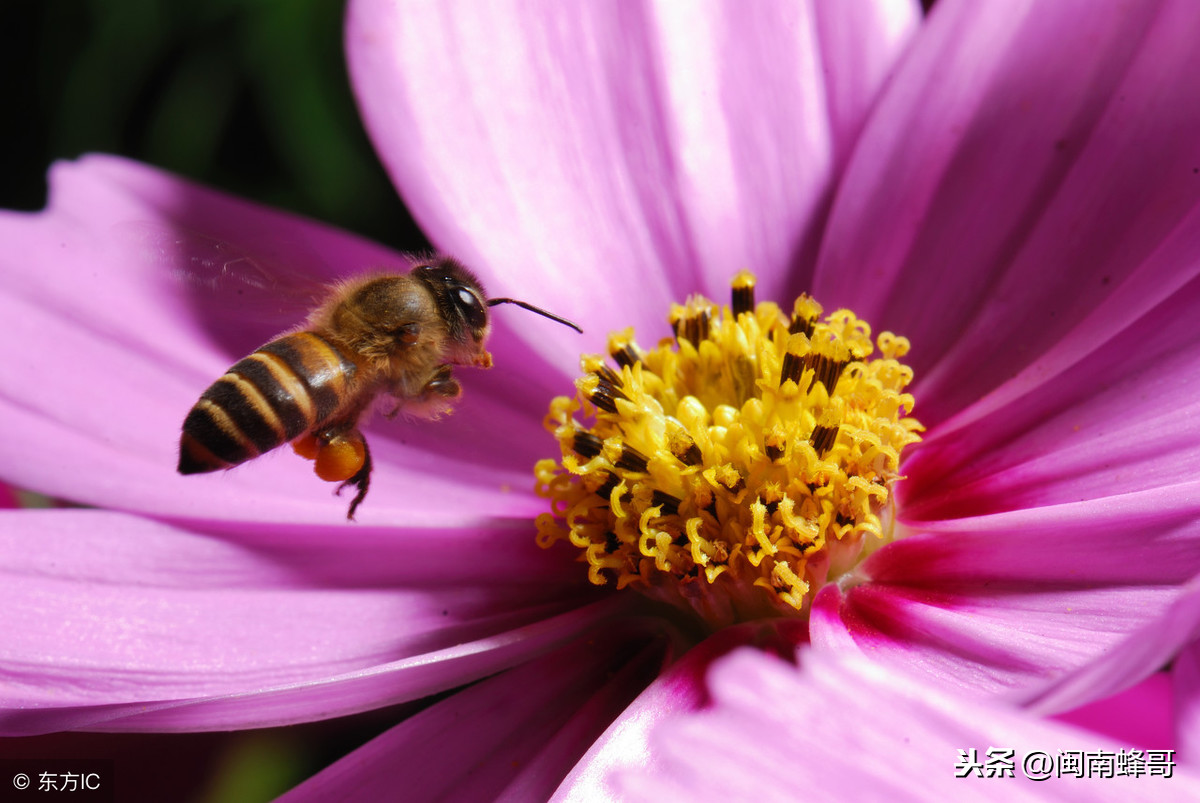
391	333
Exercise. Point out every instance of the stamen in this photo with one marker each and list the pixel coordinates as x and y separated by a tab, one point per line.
793	362
775	444
728	470
631	459
611	481
743	293
728	478
611	542
622	349
804	316
587	445
691	322
825	370
822	438
602	388
606	374
669	504
686	450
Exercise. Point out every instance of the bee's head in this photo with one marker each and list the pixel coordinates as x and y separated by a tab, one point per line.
462	306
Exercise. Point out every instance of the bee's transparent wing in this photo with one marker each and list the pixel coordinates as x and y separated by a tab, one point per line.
245	293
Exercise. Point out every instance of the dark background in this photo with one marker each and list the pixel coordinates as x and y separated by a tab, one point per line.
250	96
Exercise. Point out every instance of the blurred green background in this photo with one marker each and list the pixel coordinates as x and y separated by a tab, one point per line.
252	97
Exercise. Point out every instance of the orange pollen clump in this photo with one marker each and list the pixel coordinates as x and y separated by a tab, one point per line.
336	460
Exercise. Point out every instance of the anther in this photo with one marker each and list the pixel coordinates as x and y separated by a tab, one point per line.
805	314
681	445
803	326
826	370
631	459
603	398
728	478
670	504
693	325
609	375
743	293
690	455
609	485
622	349
775	443
823	438
793	363
611	542
605	392
586	445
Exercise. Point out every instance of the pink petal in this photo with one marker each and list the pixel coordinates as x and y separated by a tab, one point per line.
1129	662
1074	544
1013	600
860	42
108	302
607	158
1185	681
1122	419
115	622
1133	659
842	729
1139	716
1021	168
981	642
625	745
512	736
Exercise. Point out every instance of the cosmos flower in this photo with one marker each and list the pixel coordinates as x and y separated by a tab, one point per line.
1018	199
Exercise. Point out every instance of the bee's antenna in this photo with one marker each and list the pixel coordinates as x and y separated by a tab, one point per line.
494	301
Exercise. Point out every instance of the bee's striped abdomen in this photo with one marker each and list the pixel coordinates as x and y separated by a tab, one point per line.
278	393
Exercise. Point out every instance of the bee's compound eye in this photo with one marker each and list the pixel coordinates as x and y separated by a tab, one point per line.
472	309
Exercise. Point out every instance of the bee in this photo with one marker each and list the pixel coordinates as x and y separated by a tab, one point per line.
394	333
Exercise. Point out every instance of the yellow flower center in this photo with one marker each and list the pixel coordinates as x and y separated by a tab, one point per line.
736	468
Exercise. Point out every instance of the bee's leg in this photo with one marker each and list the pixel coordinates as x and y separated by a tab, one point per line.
395	411
436	395
361	480
443	385
340	454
